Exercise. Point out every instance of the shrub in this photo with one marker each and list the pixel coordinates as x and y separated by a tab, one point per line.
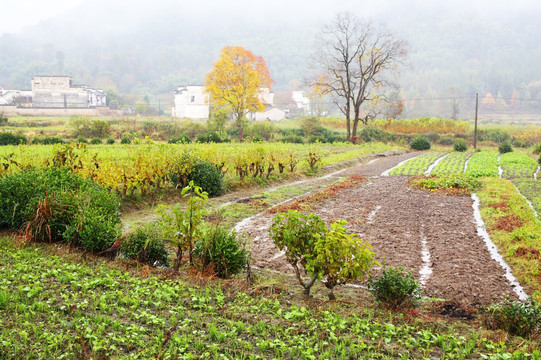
446	140
96	141
8	138
341	257
370	133
145	245
110	141
311	125
264	130
539	160
496	135
293	139
182	139
518	318
505	147
80	211
420	143
394	288
125	140
86	127
82	140
182	227
221	249
209	137
3	120
296	234
49	140
207	176
537	149
460	145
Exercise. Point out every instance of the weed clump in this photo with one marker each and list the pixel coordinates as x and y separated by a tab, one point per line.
222	250
516	317
395	288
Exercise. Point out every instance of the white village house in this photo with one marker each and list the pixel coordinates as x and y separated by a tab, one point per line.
191	102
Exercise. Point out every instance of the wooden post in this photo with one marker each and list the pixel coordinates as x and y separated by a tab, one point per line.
475	131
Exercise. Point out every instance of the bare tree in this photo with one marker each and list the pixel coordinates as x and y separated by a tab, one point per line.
354	61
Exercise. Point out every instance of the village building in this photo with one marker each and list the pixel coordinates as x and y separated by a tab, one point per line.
191	102
60	92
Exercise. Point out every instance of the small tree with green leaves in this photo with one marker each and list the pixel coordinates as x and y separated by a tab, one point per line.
296	235
341	257
182	227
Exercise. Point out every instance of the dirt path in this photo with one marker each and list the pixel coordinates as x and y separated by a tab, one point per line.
432	235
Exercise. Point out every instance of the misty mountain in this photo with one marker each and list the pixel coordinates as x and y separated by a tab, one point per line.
150	49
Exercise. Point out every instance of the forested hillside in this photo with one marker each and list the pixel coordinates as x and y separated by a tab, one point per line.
149	50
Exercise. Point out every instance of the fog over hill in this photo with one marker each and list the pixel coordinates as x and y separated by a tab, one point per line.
149	48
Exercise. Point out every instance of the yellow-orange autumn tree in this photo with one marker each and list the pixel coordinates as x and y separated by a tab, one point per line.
235	82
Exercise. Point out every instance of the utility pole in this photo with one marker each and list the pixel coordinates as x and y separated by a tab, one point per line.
476	110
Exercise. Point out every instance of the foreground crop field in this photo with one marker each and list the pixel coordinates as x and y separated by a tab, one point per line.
55	306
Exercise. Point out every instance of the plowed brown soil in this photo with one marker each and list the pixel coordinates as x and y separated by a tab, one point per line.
395	218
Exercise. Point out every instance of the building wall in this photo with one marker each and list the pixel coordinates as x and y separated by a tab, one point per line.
191	102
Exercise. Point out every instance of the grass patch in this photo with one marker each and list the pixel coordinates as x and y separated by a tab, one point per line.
513	227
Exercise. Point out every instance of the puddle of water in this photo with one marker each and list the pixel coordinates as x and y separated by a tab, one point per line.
493	250
536	172
431	167
500	170
387	172
426	269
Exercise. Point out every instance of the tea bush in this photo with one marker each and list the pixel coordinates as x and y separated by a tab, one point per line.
505	147
207	176
460	145
125	140
110	141
223	251
145	245
420	143
518	318
394	288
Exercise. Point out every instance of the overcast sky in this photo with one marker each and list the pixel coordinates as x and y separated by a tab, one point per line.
17	14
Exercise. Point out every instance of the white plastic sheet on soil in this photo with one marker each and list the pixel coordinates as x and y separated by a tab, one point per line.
493	250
